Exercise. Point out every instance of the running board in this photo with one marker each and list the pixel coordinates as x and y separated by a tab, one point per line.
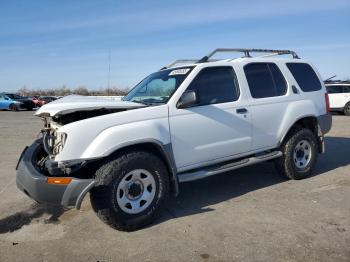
217	169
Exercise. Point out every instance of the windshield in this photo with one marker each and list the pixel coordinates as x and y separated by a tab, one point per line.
158	87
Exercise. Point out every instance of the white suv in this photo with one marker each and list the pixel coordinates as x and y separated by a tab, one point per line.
339	96
179	124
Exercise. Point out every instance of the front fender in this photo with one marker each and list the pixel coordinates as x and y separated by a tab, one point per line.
154	131
114	138
99	136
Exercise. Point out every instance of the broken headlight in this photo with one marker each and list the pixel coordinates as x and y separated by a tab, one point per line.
54	142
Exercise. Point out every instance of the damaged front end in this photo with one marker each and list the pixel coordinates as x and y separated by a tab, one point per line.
54	141
62	182
34	178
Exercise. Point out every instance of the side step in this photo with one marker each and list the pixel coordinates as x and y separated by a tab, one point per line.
217	169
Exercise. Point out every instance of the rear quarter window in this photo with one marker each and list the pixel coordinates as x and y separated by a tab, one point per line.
265	80
305	76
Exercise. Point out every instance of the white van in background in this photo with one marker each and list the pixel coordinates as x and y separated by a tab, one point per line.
339	96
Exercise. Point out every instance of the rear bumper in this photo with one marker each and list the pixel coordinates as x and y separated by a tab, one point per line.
325	123
34	184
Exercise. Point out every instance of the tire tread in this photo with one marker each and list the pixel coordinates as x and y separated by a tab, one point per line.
102	191
285	164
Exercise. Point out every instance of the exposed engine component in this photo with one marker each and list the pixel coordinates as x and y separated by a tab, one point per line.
53	141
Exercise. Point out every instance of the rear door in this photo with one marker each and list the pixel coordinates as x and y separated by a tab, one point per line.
336	96
218	127
346	94
269	97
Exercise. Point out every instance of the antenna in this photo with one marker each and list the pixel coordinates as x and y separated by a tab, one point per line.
328	79
109	70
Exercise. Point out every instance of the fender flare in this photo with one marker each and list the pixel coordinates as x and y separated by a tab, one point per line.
166	153
291	126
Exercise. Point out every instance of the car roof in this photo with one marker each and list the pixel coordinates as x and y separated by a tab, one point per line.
241	60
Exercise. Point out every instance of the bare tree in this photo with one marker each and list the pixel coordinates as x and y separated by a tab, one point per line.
64	91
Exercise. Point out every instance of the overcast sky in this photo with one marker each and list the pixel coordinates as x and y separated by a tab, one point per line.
46	44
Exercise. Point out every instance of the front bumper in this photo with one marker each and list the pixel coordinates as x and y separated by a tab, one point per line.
34	184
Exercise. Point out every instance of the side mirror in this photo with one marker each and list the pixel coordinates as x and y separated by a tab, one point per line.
188	99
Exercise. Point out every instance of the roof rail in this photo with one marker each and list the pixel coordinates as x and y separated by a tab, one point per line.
347	81
182	61
247	52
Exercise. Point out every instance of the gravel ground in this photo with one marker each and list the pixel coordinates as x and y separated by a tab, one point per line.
251	214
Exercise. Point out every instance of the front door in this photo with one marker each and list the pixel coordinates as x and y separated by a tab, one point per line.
216	128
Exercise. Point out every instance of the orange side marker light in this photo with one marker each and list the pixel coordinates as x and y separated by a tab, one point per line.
59	180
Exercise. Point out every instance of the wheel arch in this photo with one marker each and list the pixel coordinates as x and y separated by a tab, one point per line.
310	122
10	105
163	151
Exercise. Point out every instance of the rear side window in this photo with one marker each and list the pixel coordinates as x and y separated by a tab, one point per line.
265	80
215	85
346	89
334	89
305	76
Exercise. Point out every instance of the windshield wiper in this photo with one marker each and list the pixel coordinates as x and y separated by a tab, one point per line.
151	101
139	102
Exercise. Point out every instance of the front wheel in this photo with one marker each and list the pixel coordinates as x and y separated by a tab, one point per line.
347	109
300	152
13	107
132	189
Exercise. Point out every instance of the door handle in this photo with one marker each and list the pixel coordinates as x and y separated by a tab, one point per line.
241	110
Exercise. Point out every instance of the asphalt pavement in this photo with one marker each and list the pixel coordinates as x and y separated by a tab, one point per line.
251	214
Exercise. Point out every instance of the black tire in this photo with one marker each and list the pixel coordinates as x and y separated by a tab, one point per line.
29	108
287	164
13	107
347	109
104	199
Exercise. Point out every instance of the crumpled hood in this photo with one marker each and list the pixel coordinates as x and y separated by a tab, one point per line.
75	103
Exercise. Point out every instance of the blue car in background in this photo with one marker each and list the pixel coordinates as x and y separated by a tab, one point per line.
24	102
7	103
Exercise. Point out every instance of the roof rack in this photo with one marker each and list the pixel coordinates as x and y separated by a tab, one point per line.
182	61
246	52
337	81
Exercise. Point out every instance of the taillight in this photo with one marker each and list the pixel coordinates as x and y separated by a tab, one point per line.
327	102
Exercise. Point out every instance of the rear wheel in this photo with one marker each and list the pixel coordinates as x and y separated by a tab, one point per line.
132	189
13	107
300	152
347	109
